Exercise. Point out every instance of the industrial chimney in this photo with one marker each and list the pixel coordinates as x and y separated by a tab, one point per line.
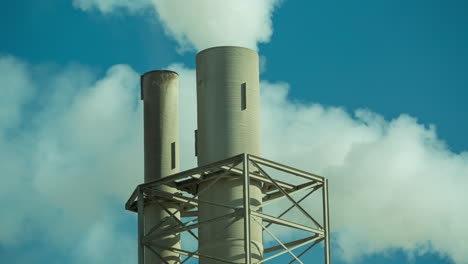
160	95
228	112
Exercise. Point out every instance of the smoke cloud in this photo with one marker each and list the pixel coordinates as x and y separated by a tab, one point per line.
70	147
76	147
393	183
203	23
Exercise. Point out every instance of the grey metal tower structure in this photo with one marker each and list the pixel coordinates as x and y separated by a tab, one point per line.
222	203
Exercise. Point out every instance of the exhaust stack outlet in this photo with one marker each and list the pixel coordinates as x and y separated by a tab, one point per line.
228	108
160	95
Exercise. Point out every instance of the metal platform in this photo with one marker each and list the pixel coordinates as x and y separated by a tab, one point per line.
249	168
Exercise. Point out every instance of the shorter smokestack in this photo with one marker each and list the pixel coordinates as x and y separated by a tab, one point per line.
160	95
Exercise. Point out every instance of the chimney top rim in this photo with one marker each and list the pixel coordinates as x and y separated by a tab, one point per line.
159	71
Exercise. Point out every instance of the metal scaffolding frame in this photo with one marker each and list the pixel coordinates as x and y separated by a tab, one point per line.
249	168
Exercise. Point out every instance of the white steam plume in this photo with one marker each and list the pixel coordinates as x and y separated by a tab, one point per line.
393	184
203	23
68	156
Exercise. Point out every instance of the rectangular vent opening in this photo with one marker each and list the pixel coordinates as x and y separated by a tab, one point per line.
173	155
196	142
141	88
244	96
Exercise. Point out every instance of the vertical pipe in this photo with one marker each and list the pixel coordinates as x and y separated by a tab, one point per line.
247	247
160	95
228	108
326	223
141	228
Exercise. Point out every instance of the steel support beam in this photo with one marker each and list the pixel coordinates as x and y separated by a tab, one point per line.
287	169
278	221
187	200
141	227
292	206
261	178
292	248
287	195
326	222
273	197
279	242
191	172
246	189
305	250
293	243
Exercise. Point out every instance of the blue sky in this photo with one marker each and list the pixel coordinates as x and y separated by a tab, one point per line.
389	78
392	57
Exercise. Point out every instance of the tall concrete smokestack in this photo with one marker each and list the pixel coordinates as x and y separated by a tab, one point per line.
228	102
160	94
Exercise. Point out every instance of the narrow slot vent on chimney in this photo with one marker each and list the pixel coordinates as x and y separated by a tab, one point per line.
173	155
196	142
244	96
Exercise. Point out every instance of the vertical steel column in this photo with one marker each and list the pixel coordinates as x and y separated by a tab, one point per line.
326	223
141	228
248	256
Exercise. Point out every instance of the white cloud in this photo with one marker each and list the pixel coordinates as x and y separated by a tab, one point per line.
209	23
15	90
103	242
393	184
203	23
74	152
